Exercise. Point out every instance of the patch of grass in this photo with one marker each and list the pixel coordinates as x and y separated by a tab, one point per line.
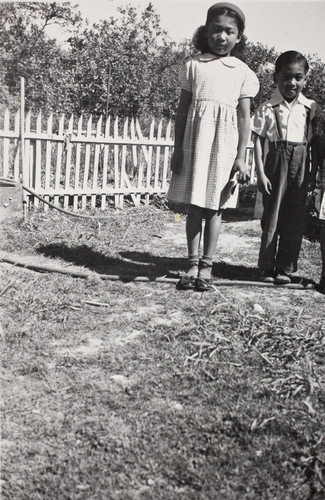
158	394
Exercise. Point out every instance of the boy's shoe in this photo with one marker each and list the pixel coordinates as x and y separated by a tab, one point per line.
267	276
281	277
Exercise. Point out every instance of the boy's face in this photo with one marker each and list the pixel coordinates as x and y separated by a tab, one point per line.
291	80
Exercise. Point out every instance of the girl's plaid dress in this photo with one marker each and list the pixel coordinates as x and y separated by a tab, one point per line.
211	134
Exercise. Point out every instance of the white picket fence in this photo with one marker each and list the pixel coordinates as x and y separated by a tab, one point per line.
81	162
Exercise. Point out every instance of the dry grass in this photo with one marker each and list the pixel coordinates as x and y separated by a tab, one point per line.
157	394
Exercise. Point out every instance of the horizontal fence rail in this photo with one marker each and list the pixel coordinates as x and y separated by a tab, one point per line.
81	163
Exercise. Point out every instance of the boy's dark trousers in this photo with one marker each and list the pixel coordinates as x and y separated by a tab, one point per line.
284	208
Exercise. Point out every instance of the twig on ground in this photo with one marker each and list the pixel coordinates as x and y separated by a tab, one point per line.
8	286
94	303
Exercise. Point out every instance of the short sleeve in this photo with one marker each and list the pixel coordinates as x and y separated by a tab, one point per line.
250	85
185	76
260	121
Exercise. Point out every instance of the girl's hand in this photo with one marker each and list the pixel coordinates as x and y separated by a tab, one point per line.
176	163
264	184
240	167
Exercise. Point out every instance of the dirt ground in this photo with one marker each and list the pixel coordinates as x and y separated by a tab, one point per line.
129	390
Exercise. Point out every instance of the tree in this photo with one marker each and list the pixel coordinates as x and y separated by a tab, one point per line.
126	65
27	51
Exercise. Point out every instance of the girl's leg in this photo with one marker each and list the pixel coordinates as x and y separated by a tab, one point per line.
211	236
193	235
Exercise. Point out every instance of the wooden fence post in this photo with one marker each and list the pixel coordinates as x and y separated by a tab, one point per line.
24	168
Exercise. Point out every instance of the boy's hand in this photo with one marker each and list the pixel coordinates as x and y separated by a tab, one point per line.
264	185
176	163
240	167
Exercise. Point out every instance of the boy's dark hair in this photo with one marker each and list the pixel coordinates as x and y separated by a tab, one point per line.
289	57
200	38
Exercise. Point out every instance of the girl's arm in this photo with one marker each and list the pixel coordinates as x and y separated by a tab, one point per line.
180	124
243	136
263	182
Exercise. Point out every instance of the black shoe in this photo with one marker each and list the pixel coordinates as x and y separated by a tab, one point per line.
267	276
186	283
203	285
281	277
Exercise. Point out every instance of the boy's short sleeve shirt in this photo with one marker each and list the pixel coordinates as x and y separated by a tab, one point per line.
293	118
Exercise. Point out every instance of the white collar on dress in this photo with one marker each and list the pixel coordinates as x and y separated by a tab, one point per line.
231	61
277	98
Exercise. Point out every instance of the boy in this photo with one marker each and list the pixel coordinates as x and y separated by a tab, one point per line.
284	122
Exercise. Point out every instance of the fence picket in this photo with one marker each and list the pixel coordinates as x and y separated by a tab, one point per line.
16	147
48	155
6	144
144	148
27	145
96	160
57	177
138	169
156	178
123	159
67	149
38	158
166	156
148	177
105	163
77	164
87	160
117	199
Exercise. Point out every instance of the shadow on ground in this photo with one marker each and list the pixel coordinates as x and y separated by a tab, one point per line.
130	264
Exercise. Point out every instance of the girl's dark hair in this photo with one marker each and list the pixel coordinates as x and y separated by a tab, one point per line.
289	57
200	38
200	42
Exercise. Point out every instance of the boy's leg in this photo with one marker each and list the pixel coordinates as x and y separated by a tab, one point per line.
291	229
276	168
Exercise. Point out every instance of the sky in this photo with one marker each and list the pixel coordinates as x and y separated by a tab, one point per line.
297	25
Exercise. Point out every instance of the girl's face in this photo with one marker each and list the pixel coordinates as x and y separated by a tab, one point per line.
291	80
223	35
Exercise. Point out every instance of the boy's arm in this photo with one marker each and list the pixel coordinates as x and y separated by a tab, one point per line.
243	136
263	182
180	124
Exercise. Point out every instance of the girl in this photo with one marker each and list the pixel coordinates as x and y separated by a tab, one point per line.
211	133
